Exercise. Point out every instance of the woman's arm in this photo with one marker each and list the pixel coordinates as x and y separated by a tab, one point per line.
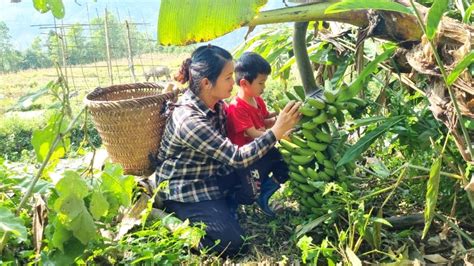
197	133
200	135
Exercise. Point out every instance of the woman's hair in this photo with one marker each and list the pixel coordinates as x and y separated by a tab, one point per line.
205	62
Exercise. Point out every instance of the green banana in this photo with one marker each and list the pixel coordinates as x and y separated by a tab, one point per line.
284	152
318	212
302	159
320	119
360	102
276	107
301	143
291	96
317	146
297	177
307	188
312	202
300	92
291	147
330	171
293	168
332	151
282	103
305	203
318	198
305	151
350	106
313	175
330	96
323	176
329	164
339	105
308	134
302	171
324	137
308	111
320	157
309	125
316	103
331	109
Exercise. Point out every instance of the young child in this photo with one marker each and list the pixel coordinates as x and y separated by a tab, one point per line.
247	119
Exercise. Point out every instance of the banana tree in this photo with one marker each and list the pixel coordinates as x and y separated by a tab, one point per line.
394	21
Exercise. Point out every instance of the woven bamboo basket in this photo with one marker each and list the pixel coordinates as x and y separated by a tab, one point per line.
130	121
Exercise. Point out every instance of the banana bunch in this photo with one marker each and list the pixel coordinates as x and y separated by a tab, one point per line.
312	151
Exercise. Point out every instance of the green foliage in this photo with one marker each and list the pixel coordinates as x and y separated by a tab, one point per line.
79	209
368	138
432	194
434	17
310	252
459	68
155	245
275	45
16	133
11	224
72	212
359	83
55	6
347	5
43	139
10	57
467	16
202	20
116	187
35	56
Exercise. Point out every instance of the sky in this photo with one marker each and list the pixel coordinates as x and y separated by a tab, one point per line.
21	18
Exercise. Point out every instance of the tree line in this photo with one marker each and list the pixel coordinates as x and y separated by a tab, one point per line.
83	45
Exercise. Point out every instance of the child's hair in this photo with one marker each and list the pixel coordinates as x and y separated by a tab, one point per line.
249	65
205	62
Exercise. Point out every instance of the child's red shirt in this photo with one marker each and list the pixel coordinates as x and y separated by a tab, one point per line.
241	116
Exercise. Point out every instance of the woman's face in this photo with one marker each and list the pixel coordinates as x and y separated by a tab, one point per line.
224	83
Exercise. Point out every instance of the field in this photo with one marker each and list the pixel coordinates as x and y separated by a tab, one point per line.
81	79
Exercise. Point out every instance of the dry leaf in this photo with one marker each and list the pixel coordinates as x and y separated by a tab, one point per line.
436	258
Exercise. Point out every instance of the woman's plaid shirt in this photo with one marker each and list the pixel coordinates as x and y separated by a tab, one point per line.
195	152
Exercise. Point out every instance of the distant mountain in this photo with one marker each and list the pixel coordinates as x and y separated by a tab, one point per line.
25	22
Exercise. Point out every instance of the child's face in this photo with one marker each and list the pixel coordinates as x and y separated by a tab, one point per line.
257	86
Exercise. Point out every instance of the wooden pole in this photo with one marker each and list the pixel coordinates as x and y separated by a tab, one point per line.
61	50
65	57
131	67
107	46
90	36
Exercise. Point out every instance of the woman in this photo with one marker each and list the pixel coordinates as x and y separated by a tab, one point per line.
198	160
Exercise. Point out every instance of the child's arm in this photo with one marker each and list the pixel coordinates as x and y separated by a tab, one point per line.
270	119
253	132
272	115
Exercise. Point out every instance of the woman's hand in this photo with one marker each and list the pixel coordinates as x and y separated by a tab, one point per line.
287	119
